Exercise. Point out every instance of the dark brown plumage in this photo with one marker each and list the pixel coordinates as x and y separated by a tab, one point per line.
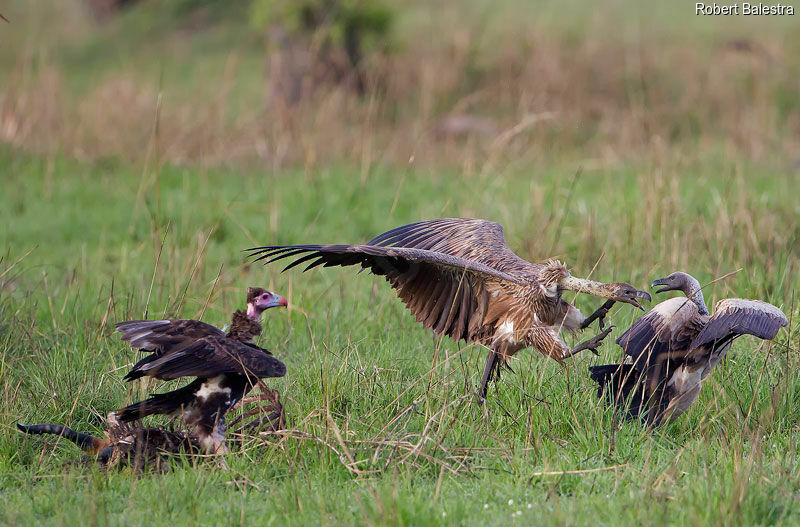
675	345
459	278
123	445
227	366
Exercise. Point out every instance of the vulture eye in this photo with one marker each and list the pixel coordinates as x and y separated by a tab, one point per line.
265	296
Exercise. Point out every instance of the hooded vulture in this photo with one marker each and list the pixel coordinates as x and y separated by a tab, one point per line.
675	345
459	278
227	366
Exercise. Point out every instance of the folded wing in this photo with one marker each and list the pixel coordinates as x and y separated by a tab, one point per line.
209	357
163	335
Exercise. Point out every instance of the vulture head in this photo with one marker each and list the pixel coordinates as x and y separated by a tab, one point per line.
623	292
677	282
259	300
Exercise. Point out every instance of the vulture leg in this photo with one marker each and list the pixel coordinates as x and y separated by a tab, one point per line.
488	374
590	344
491	371
599	314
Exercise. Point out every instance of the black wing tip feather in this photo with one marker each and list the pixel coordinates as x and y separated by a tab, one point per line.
273	253
133	375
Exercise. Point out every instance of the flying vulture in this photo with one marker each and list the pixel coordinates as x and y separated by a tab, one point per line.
458	277
676	344
227	366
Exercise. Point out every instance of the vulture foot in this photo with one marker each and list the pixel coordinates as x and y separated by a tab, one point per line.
591	344
270	416
599	315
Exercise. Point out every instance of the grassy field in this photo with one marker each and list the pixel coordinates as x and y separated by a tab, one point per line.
117	203
82	244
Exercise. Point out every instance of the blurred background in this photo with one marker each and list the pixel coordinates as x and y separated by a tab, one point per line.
477	86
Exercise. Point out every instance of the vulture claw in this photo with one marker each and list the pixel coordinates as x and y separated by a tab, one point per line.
591	344
599	315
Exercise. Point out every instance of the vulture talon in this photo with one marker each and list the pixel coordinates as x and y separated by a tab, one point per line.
599	315
591	344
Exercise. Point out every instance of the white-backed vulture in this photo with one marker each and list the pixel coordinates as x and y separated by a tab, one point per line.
227	366
675	345
458	277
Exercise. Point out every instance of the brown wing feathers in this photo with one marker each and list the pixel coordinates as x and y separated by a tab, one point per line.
445	304
162	335
444	292
192	348
472	239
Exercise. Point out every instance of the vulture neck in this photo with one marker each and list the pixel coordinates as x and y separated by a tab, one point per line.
694	293
583	285
243	327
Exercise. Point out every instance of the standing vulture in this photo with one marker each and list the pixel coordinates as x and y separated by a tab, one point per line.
458	277
227	366
675	345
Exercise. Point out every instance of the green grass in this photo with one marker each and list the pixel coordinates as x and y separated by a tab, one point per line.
80	246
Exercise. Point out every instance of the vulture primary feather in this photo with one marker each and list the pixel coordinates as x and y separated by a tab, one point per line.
227	366
458	277
675	345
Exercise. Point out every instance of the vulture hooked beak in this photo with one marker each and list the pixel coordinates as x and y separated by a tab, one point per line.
664	282
630	295
273	300
644	296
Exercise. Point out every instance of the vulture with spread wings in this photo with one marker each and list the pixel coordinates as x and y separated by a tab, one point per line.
227	366
458	277
675	345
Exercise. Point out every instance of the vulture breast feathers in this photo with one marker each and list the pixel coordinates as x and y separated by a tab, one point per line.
452	274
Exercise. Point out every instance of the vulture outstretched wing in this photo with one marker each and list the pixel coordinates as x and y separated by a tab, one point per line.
448	294
662	333
476	240
209	357
735	316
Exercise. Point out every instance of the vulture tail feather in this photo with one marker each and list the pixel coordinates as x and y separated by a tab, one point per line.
622	384
159	403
